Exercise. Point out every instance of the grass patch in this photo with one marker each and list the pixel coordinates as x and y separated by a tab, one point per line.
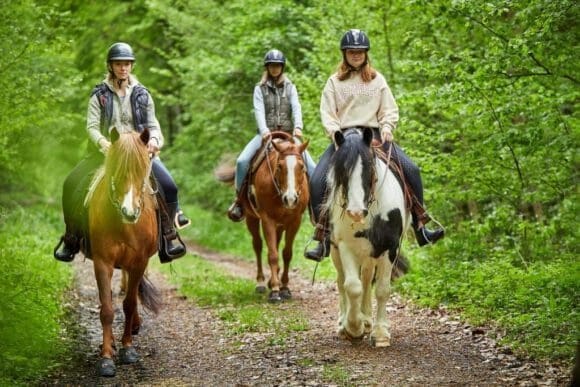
536	305
32	285
336	374
220	234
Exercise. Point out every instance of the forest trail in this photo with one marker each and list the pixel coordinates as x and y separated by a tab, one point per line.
186	345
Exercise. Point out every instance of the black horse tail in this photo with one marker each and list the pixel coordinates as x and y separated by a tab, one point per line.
401	266
149	295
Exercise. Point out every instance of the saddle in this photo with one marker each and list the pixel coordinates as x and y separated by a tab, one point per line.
412	204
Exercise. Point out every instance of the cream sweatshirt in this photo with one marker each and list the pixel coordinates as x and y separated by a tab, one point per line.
352	102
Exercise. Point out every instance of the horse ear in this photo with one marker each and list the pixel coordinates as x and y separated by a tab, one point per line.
114	135
303	146
368	136
338	138
145	135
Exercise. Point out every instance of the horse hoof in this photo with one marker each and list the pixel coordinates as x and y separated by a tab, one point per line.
345	335
106	367
261	289
275	297
285	294
128	355
380	343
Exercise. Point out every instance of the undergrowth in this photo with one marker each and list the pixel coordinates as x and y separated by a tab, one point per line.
32	285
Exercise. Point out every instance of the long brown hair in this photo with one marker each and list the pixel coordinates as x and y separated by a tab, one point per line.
367	72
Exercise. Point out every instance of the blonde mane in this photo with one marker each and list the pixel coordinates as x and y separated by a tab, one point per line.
127	160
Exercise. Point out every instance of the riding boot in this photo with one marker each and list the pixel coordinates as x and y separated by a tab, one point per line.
236	211
322	249
171	246
423	234
71	247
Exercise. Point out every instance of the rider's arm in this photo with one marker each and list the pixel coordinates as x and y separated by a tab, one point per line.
260	111
328	109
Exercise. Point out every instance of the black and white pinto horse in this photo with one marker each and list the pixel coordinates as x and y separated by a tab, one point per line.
368	217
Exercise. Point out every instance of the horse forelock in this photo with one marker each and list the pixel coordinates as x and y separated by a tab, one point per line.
128	159
343	164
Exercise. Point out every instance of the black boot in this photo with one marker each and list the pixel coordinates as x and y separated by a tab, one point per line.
69	250
425	236
171	246
236	212
320	251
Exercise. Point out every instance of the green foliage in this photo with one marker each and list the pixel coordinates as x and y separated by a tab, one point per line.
32	286
488	95
536	305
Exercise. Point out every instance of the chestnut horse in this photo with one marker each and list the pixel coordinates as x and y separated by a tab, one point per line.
123	234
277	197
369	216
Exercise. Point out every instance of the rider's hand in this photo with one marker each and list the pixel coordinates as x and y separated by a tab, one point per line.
266	136
386	134
104	145
153	146
297	132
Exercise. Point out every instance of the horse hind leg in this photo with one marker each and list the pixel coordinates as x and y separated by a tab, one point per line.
253	226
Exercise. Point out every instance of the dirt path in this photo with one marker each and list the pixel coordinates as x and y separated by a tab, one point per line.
187	345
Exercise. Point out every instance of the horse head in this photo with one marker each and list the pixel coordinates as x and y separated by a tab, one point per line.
352	173
290	171
127	170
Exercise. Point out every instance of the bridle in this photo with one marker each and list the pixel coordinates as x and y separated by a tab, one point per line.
292	151
113	192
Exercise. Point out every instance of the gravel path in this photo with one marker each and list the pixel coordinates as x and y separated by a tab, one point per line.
186	345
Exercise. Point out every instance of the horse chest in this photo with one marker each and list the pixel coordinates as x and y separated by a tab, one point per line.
377	235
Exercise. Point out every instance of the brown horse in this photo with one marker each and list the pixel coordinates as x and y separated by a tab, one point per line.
123	234
277	197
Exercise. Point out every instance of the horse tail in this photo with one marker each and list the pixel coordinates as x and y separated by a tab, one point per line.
225	172
401	266
149	295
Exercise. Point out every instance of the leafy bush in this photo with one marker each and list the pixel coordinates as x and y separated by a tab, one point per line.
32	287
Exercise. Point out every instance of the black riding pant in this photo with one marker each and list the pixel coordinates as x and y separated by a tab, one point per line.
318	184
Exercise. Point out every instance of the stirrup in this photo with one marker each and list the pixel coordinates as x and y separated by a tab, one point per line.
178	221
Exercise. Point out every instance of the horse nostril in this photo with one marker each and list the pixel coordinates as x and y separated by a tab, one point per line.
365	212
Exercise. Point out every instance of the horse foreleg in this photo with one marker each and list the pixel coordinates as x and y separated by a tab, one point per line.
366	275
103	275
342	303
128	354
253	225
270	235
353	288
380	336
291	232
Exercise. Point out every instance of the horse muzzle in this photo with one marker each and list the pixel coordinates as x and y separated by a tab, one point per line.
129	216
357	216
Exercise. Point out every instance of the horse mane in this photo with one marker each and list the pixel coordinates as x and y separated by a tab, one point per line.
126	160
344	160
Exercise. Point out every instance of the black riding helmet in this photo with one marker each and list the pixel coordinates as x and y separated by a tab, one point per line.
120	51
355	39
274	56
